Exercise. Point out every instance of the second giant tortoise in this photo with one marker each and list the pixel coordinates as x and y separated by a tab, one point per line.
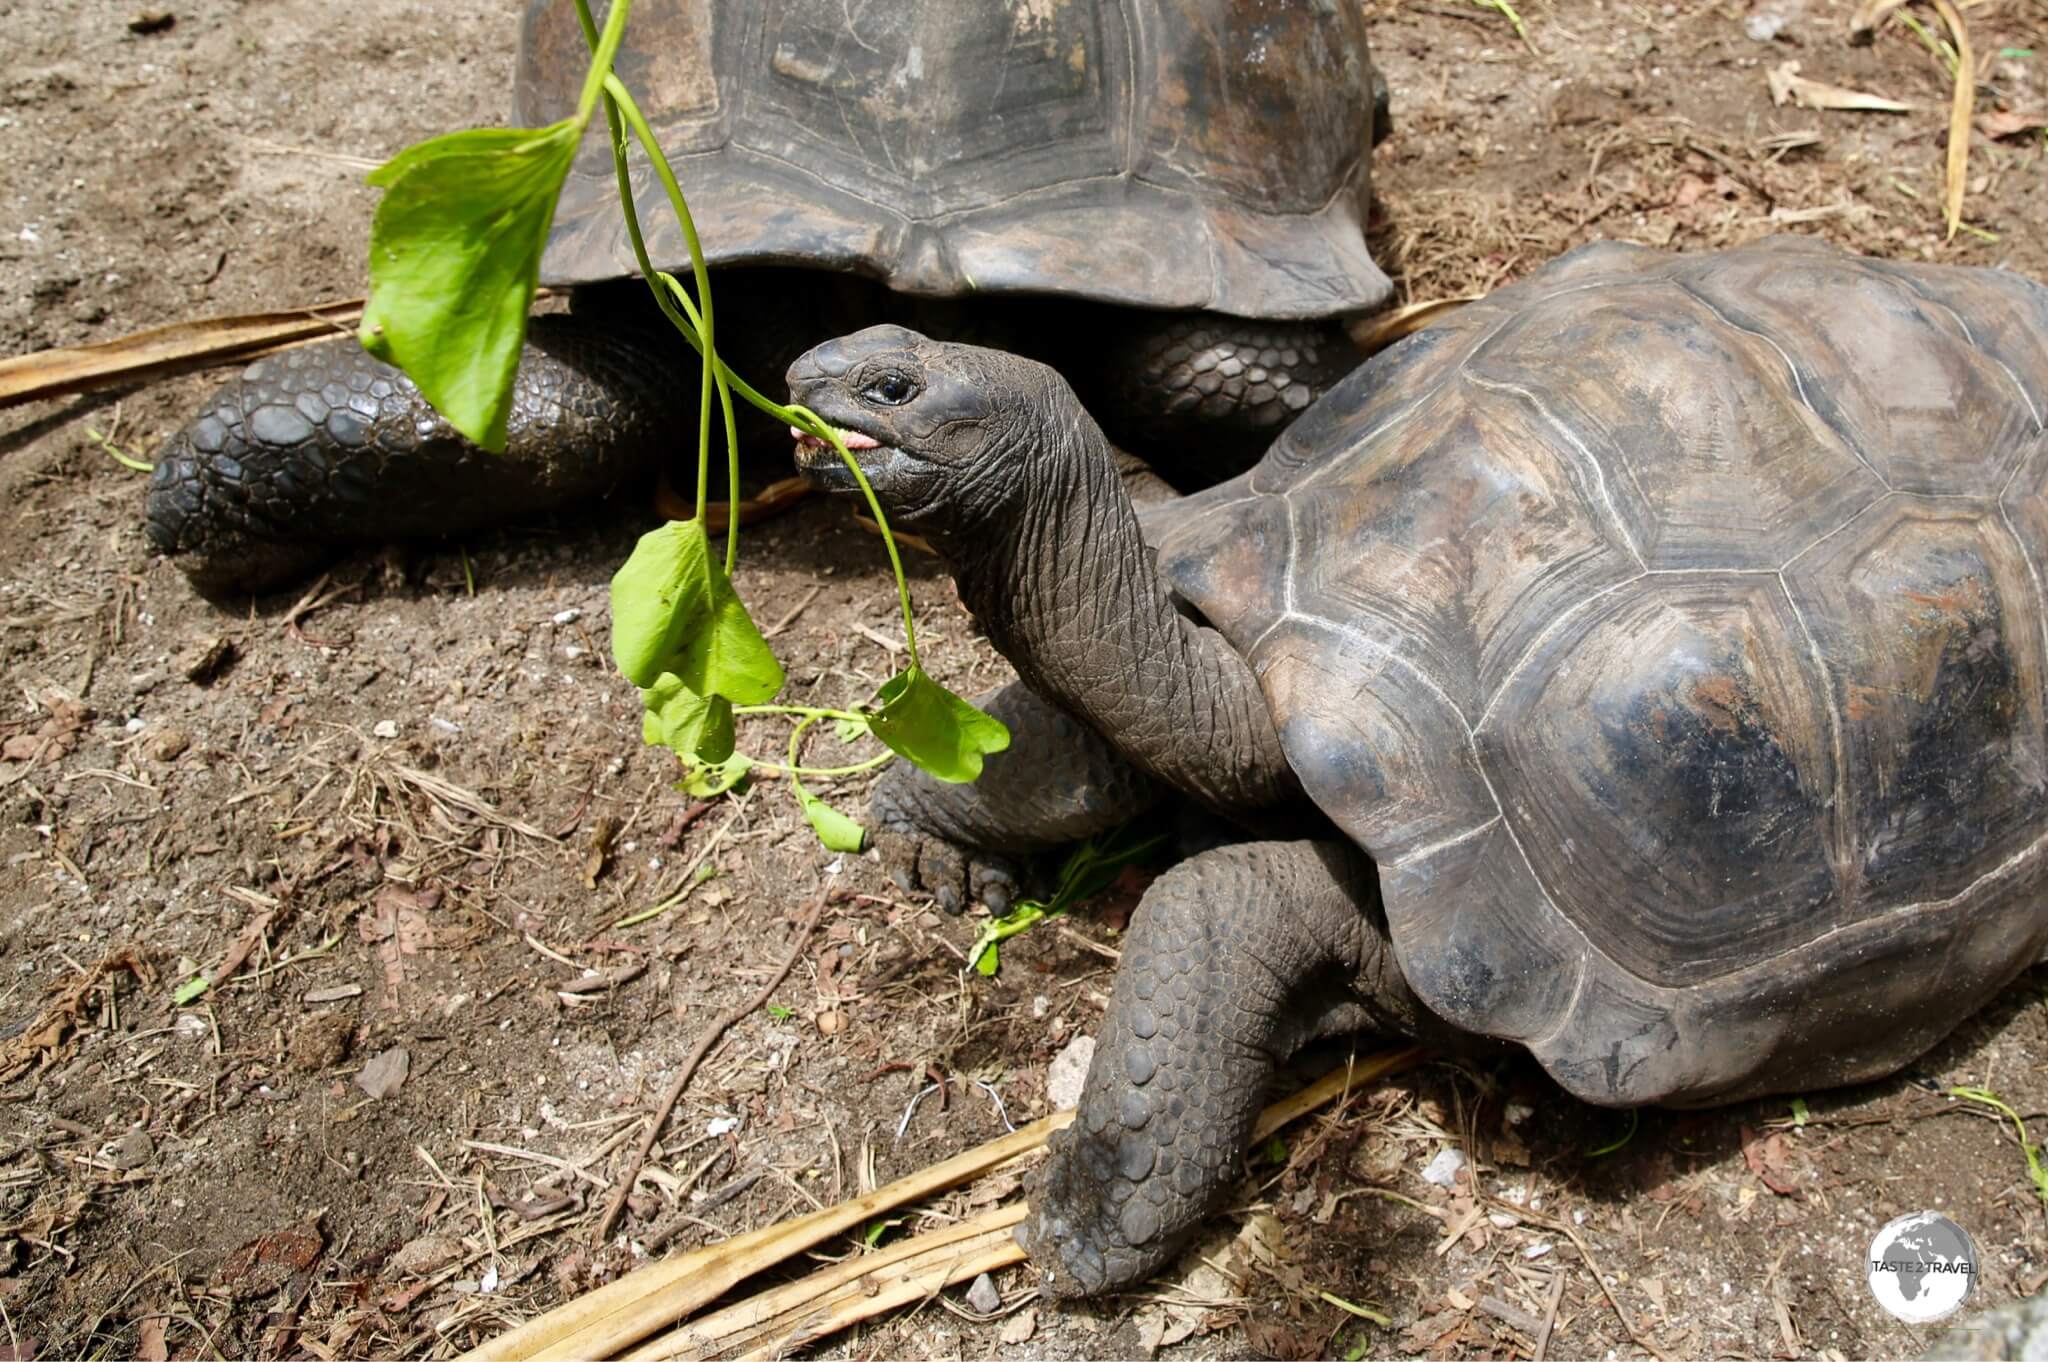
1182	183
1645	667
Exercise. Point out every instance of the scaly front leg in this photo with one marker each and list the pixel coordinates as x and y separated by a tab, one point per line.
1234	960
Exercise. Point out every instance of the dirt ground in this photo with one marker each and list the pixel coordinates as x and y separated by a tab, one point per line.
382	796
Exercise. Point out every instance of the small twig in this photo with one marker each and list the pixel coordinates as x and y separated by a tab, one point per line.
1550	1304
1960	108
1565	1228
711	1037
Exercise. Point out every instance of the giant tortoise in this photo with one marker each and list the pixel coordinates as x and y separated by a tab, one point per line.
1644	667
1185	179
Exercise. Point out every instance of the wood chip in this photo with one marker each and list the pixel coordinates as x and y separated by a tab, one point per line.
386	1073
1789	87
336	994
1999	123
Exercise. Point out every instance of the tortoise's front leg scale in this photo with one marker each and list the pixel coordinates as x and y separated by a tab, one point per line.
1234	959
1057	782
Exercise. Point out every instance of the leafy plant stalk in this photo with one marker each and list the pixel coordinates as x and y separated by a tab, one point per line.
685	316
2037	1172
455	255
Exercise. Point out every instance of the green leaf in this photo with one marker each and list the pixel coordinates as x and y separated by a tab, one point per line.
1800	1115
834	829
673	610
927	724
191	989
779	1012
702	782
1022	918
454	257
850	730
695	728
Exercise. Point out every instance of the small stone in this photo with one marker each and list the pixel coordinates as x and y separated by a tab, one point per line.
1764	26
983	1297
169	744
1020	1327
1517	1112
133	1150
384	728
151	21
206	659
1443	1169
1067	1073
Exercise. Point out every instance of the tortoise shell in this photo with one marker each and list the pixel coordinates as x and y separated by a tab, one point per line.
1200	154
1670	631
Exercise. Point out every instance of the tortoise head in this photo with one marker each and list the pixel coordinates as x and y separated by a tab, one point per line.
949	436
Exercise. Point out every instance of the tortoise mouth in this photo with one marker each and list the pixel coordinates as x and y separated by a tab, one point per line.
822	467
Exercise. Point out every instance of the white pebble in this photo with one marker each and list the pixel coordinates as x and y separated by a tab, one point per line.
1443	1169
384	728
721	1125
1068	1071
569	616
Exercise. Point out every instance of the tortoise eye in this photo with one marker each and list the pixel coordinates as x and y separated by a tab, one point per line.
890	390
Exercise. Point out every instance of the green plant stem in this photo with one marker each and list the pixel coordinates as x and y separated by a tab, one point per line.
115	453
618	97
827	772
810	420
603	47
696	330
796	739
849	715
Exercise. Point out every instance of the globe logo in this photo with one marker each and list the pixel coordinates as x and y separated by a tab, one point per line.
1922	1267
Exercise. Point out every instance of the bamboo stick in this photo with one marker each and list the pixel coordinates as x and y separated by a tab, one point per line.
632	1309
165	350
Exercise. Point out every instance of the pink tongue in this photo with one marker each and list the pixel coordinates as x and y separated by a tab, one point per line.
854	439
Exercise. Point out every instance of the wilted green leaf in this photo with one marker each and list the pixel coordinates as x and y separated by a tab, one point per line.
673	610
1088	870
921	720
702	782
696	728
834	829
1022	918
454	257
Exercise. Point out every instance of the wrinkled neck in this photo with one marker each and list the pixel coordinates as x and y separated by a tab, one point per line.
1068	591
